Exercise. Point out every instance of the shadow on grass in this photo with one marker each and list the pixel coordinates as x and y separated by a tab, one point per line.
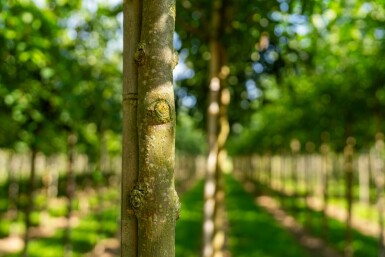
363	246
252	231
312	220
189	226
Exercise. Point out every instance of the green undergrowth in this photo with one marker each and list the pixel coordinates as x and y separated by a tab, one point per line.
252	231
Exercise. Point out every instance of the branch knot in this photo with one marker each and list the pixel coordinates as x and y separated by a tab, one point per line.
140	53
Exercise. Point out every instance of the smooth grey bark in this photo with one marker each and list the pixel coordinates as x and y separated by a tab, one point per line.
132	12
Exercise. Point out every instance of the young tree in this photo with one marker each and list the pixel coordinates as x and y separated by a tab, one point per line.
130	161
152	198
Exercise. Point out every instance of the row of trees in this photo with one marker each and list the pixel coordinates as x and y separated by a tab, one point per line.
347	178
59	77
296	70
332	79
59	83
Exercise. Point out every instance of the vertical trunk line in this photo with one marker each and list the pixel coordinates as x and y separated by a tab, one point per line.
71	142
31	196
219	237
326	169
380	183
130	160
212	129
349	154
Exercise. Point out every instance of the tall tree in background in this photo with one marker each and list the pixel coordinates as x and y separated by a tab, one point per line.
152	197
217	131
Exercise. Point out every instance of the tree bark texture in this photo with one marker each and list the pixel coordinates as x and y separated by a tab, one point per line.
132	12
153	198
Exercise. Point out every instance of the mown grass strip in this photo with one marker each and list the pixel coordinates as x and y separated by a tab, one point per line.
312	221
252	231
363	246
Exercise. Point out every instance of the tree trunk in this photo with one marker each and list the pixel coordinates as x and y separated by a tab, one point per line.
349	153
380	183
103	154
13	189
308	184
326	169
154	200
29	207
212	131
132	11
363	179
224	129
71	184
295	146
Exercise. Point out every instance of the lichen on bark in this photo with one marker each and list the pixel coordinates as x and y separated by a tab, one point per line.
157	204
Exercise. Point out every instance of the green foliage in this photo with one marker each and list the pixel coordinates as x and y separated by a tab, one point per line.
60	72
331	82
189	139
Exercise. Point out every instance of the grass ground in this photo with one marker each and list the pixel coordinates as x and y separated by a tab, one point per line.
363	246
252	231
313	221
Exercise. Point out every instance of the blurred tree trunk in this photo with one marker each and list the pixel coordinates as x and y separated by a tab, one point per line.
30	199
153	197
326	169
71	186
13	188
103	154
213	113
308	182
295	146
224	129
130	157
348	167
364	178
380	185
53	177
